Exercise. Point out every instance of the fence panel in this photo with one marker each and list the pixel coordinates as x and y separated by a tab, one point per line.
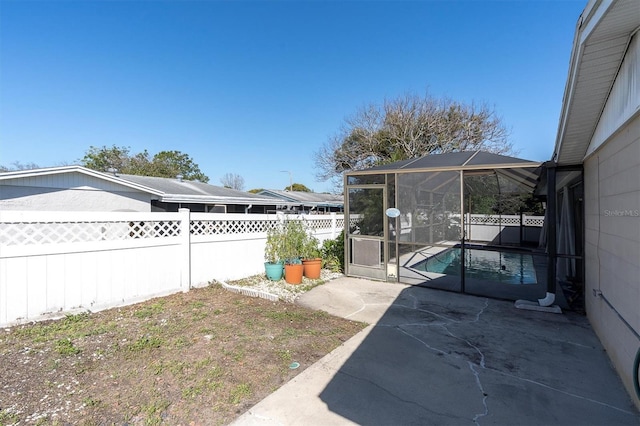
55	262
231	246
504	229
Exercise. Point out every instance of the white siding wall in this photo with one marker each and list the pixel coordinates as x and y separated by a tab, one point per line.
67	180
612	244
71	191
81	199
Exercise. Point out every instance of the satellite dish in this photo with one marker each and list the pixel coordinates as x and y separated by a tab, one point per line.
392	212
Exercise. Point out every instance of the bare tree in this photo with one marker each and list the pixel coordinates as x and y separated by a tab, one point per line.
408	127
16	166
233	181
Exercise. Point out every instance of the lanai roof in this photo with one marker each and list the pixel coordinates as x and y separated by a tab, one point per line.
523	172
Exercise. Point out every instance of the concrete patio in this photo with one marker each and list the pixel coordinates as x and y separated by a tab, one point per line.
435	357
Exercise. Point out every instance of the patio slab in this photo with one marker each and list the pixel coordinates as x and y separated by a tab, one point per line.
435	357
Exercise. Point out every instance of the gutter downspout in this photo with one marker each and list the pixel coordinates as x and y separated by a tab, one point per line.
546	304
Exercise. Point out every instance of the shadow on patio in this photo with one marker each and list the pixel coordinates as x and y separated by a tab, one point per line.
435	357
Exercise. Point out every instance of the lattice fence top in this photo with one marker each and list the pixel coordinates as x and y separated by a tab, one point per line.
534	221
505	220
217	227
252	226
26	233
319	224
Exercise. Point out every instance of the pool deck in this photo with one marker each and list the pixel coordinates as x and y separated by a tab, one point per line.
434	357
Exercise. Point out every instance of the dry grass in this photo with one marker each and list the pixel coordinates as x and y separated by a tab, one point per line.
202	357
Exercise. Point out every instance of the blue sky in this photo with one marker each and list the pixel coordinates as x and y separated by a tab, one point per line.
256	87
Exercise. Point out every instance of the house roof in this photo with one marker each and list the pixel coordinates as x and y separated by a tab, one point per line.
177	190
602	35
165	189
62	170
311	199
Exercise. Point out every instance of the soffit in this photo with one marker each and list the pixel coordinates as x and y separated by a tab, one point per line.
601	41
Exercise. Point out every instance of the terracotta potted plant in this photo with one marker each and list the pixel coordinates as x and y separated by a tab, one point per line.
311	258
295	237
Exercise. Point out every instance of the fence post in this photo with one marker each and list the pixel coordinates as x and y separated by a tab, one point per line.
185	249
334	225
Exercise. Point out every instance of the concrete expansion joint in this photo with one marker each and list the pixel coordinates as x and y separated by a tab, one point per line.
472	365
395	396
443	325
363	305
399	327
468	344
573	395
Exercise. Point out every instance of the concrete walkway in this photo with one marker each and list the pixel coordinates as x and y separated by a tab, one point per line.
431	357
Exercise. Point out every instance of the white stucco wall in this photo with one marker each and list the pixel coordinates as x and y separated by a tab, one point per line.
612	245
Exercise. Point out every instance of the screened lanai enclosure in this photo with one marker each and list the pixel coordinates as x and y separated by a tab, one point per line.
464	221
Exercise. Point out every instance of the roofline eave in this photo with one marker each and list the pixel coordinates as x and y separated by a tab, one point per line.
449	168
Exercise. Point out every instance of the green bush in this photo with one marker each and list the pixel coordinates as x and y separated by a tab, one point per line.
295	238
333	253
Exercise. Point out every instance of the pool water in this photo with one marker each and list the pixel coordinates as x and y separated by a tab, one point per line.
502	267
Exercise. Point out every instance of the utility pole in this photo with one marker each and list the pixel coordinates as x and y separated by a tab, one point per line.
290	179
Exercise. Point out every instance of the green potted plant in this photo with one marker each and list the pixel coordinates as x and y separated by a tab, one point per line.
273	252
295	237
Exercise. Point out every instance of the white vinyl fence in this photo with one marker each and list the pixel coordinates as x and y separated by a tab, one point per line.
55	262
503	229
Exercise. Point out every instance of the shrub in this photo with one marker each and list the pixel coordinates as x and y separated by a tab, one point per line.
333	253
274	248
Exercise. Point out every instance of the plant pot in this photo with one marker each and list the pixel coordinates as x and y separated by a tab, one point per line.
312	267
274	271
293	272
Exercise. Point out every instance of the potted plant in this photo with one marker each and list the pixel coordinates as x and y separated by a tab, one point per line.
311	258
273	252
295	237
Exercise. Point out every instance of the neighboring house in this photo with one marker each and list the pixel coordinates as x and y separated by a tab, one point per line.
76	188
305	202
599	132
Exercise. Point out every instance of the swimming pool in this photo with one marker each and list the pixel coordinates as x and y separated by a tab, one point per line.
488	265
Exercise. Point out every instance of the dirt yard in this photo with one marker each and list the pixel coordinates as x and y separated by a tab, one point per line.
197	358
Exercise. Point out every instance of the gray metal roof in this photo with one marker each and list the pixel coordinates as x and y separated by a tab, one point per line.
602	35
176	190
165	189
464	160
305	198
522	172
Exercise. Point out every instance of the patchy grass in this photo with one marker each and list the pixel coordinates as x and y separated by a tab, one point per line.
202	357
